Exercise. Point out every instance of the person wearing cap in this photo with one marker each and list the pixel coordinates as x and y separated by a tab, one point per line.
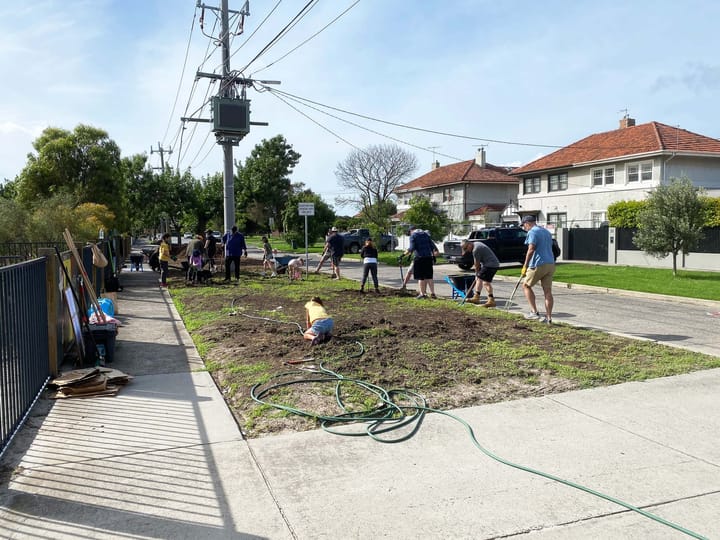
539	267
337	250
425	251
210	248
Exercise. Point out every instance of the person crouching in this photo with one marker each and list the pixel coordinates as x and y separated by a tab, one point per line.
319	323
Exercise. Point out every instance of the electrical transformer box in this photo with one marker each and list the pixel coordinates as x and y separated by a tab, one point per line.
231	116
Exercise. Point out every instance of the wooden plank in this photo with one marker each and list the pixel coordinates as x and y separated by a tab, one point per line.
89	285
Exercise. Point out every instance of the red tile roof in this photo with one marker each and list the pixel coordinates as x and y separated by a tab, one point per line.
464	172
485	208
641	139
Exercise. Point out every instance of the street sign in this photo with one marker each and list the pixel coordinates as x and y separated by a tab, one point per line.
306	209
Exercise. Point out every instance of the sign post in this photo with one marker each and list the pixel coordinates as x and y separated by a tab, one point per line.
306	209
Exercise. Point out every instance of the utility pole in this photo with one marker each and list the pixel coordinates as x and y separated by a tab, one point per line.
231	112
162	152
227	144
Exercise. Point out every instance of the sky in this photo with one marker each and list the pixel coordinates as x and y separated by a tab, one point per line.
519	76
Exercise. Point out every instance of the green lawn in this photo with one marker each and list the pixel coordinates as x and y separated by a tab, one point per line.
690	284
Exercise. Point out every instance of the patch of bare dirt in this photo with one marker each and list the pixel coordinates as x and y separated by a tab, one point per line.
453	356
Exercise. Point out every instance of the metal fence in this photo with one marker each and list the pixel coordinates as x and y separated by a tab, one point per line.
24	367
709	243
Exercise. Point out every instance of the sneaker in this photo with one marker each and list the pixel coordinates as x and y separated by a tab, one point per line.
533	316
336	277
420	297
547	321
274	274
362	291
433	296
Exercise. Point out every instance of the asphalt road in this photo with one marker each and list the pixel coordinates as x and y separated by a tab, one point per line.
680	322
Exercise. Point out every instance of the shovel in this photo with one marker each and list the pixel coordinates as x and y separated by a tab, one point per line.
509	301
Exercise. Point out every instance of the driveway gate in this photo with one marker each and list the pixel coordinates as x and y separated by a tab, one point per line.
588	244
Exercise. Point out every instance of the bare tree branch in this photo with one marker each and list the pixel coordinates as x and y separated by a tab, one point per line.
371	175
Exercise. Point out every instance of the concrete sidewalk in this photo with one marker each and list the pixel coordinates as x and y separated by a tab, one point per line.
165	459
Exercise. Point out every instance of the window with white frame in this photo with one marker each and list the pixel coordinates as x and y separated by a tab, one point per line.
558	219
557	182
639	171
598	219
646	171
531	185
603	177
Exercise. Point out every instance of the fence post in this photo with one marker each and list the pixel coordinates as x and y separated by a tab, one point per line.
52	296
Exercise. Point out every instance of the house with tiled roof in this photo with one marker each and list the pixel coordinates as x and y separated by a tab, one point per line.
573	186
473	190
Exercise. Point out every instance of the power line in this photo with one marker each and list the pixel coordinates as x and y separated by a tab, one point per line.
308	39
424	149
304	11
406	126
182	74
256	29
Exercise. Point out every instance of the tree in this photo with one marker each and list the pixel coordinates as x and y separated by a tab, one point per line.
84	163
294	224
13	221
423	214
672	220
263	182
370	176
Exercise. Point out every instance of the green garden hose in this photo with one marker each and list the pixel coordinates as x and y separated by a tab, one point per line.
397	409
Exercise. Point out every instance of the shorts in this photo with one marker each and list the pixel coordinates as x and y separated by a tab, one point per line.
336	259
543	274
423	268
322	326
487	274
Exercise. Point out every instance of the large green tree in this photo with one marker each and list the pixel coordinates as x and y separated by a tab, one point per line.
263	184
671	221
294	223
84	163
423	214
370	176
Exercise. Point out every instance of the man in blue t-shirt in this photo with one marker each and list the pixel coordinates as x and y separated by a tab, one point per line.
539	266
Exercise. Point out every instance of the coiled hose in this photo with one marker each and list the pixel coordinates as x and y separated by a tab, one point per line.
399	408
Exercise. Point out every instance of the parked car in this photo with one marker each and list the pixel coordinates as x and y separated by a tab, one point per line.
355	239
188	235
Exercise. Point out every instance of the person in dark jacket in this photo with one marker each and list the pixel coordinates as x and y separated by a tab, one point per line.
235	248
337	248
369	256
210	248
425	252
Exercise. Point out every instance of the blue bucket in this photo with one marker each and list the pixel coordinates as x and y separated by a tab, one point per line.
106	305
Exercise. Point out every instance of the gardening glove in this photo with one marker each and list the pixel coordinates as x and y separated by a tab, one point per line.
523	271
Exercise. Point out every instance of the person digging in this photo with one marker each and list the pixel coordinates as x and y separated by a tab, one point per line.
486	264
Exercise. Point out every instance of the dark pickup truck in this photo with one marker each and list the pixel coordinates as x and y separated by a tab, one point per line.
508	244
355	239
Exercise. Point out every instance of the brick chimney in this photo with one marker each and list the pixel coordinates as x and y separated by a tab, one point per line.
626	122
480	157
435	165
